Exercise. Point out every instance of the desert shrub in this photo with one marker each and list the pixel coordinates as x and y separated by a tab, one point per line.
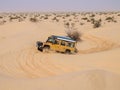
74	14
97	24
115	21
21	19
24	17
41	17
81	23
85	18
74	34
33	20
46	17
67	15
63	17
55	19
118	14
67	24
93	15
13	18
110	19
88	20
1	17
92	20
2	22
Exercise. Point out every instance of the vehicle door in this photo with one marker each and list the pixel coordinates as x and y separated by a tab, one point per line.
55	45
62	46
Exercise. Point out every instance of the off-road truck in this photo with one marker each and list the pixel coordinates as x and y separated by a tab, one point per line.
58	43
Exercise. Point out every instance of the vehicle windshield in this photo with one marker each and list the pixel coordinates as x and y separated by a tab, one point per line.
51	40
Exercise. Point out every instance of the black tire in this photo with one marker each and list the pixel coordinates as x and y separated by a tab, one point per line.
40	49
38	43
46	49
67	52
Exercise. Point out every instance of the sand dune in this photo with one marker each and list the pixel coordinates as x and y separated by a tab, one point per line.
87	80
95	67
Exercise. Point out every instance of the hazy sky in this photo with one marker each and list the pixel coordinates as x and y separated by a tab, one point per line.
59	5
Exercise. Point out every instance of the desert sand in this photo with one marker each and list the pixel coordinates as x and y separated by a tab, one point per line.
96	66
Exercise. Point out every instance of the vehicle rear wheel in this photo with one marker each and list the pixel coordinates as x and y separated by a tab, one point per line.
46	49
67	52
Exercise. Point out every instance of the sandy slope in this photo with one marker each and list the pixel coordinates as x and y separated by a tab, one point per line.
22	67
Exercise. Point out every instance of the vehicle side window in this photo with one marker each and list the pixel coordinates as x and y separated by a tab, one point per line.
56	42
62	43
70	44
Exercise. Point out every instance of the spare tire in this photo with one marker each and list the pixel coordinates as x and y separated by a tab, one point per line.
38	43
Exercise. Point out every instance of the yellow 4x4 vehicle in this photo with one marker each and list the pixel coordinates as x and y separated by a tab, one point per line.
58	43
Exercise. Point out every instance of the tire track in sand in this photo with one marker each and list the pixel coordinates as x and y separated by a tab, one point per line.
35	64
100	44
31	63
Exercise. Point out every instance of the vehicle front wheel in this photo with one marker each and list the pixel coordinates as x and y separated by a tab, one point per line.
40	49
46	49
